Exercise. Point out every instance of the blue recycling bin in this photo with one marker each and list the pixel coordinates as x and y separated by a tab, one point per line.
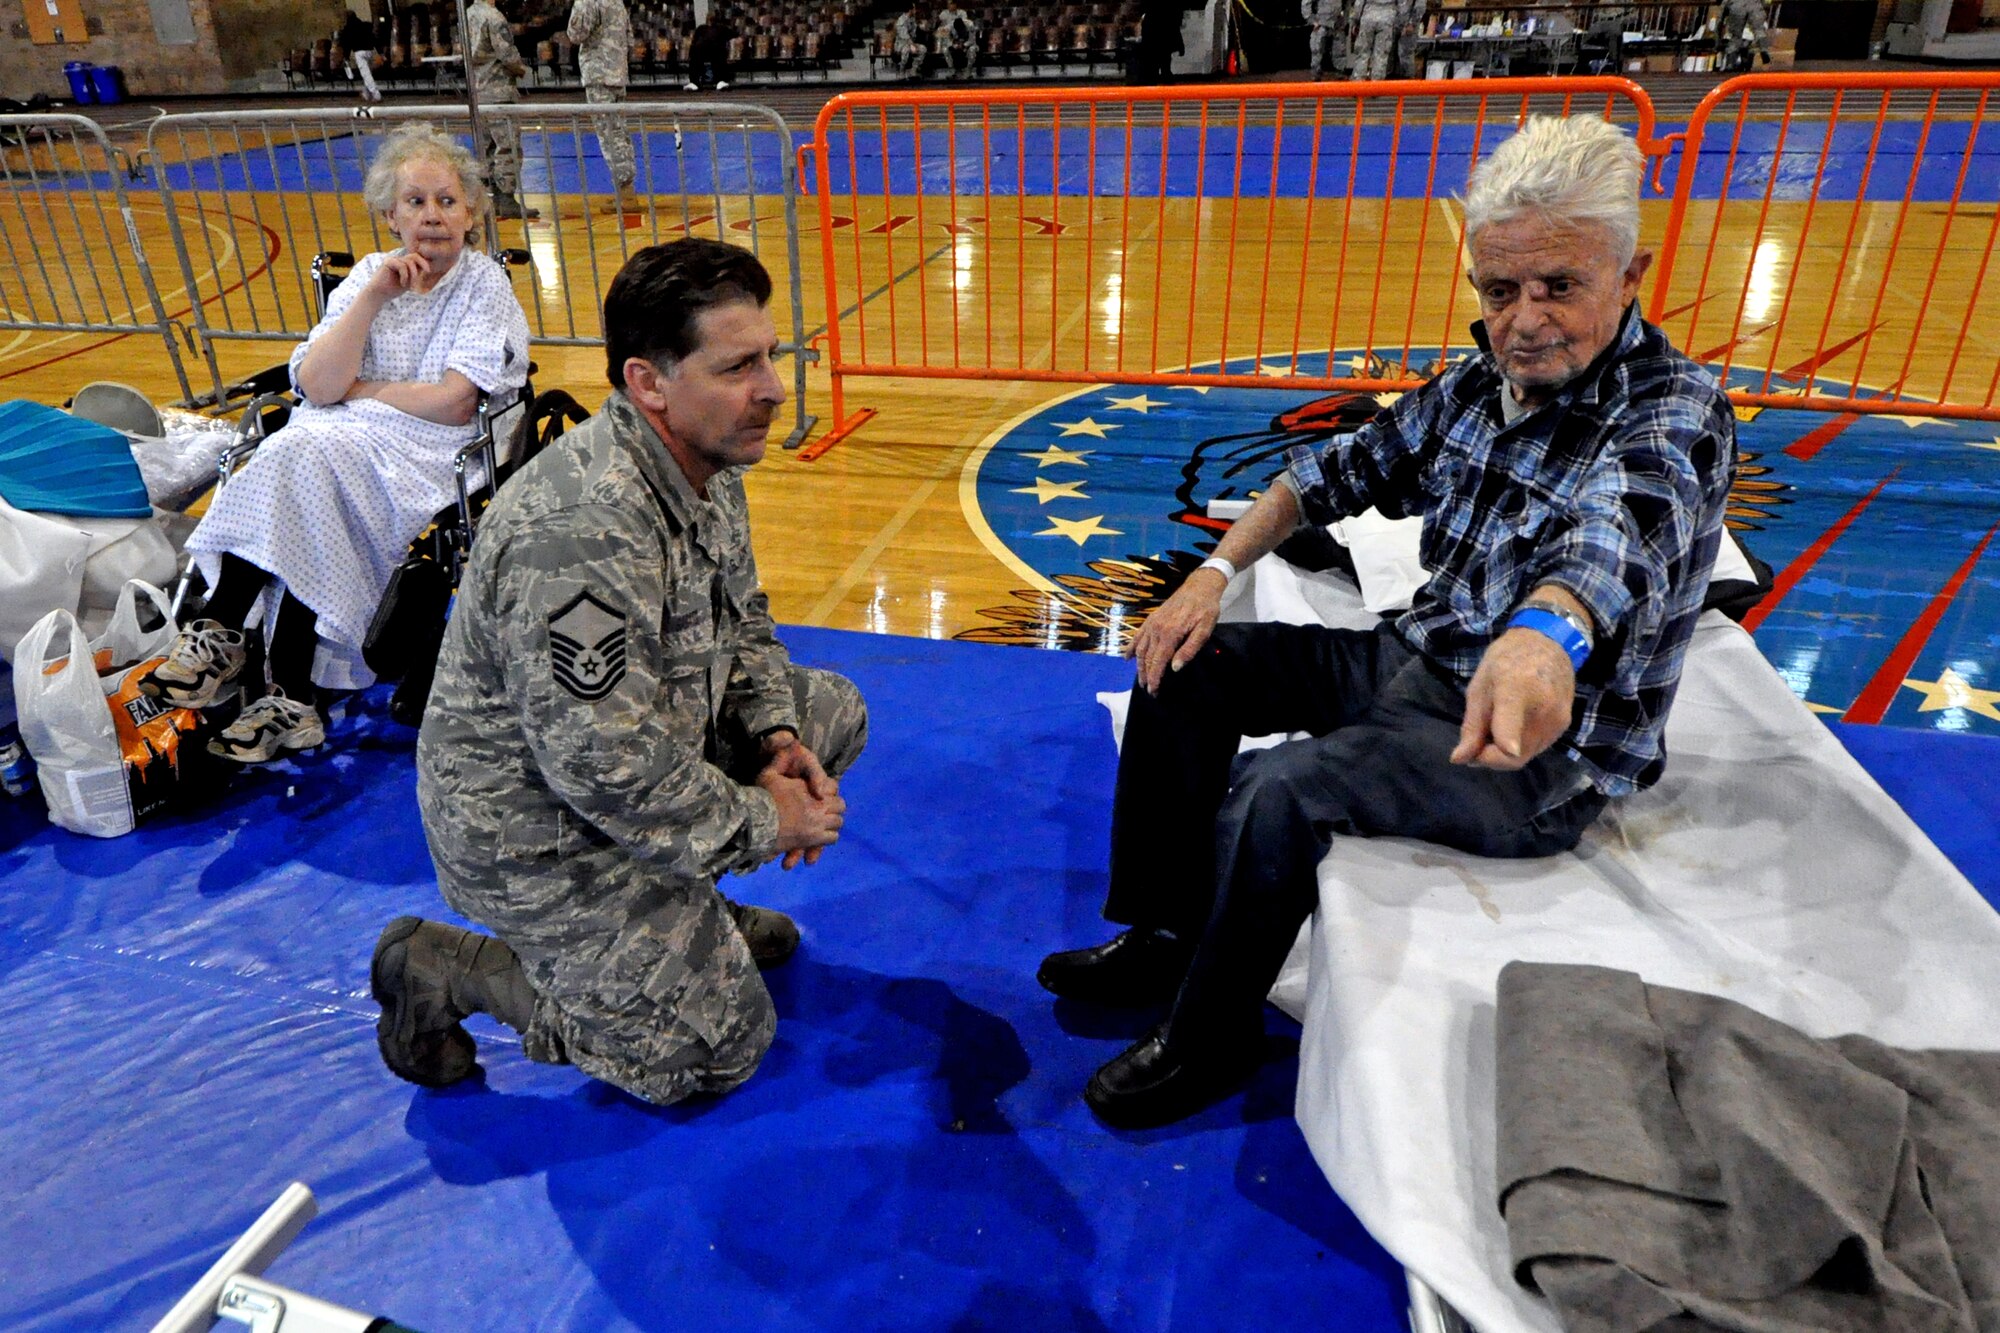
109	83
80	90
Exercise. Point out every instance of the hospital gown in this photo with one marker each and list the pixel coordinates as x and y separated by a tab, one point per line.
330	504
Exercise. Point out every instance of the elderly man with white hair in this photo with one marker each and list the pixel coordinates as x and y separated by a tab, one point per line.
1571	477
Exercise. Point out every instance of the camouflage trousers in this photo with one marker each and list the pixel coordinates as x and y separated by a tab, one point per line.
502	147
1375	48
667	1002
1737	17
614	136
1329	49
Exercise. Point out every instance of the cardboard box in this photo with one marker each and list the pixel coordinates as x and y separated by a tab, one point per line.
1784	39
1662	64
1783	60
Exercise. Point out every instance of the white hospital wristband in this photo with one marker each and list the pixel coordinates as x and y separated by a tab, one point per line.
1216	562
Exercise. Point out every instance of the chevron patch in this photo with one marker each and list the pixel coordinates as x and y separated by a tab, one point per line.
587	648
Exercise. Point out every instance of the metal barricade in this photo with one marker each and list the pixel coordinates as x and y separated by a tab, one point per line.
1856	191
1175	236
71	267
253	196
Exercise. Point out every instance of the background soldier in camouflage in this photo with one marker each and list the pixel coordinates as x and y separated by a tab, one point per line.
602	31
615	724
494	63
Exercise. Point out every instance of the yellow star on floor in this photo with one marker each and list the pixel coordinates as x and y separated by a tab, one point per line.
1055	454
1976	444
1823	708
1087	426
1141	404
1079	530
1912	421
1194	388
1045	490
1387	399
1359	363
1952	690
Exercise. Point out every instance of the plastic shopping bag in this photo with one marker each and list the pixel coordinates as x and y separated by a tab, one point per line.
125	640
68	728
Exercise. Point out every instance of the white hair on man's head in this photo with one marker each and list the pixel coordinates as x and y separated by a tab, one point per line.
1566	169
415	140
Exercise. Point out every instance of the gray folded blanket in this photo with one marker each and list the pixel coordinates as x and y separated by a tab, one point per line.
1675	1161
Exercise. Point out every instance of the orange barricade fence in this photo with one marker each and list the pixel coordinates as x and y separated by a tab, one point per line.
1831	239
1177	236
1309	235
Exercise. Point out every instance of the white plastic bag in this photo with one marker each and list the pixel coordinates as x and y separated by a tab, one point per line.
124	640
68	729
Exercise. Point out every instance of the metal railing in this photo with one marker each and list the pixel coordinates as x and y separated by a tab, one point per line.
251	197
74	261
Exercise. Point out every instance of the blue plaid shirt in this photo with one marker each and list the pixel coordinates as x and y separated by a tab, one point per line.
1613	490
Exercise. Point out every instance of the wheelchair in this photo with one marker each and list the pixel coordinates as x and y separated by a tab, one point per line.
408	627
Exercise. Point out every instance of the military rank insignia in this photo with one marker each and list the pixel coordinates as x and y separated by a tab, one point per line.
587	648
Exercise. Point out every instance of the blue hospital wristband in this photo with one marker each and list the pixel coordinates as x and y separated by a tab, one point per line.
1567	636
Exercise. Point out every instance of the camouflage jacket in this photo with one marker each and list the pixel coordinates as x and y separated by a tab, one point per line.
602	31
607	620
492	60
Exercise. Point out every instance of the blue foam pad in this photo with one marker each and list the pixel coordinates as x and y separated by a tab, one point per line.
187	1011
54	463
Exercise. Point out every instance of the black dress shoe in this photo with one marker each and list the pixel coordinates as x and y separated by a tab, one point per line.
1136	968
1159	1081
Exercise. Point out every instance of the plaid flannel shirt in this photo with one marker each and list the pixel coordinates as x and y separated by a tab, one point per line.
1613	490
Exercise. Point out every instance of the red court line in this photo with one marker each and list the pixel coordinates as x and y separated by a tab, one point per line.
1807	446
276	245
1881	691
1789	576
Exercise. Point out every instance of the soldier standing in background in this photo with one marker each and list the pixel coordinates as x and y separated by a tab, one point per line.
615	725
1328	42
602	31
1738	15
494	64
1379	23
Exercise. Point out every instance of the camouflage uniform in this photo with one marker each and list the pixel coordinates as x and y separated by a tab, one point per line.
1378	22
1738	15
584	763
493	62
602	31
1328	41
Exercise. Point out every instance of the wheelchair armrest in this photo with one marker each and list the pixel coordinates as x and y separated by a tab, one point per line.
270	380
250	433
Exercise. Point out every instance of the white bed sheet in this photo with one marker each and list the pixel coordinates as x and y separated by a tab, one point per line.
1766	866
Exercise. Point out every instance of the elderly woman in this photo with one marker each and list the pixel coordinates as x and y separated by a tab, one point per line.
389	382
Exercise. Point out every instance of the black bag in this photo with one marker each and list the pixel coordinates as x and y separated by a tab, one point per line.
409	623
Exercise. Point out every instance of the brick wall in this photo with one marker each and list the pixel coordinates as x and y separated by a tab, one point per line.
234	40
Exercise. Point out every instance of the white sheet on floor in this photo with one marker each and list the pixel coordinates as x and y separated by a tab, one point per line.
1766	866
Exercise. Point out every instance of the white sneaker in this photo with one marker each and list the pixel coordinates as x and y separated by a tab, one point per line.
720	84
269	727
690	88
204	660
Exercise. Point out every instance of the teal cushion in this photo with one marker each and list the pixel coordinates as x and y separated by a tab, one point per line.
54	463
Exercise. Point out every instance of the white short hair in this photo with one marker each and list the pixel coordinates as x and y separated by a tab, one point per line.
1566	169
418	140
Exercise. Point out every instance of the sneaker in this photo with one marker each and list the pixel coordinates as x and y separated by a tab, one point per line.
723	84
419	1034
771	935
690	87
269	727
205	658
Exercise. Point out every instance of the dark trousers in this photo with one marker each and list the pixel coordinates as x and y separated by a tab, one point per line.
1228	855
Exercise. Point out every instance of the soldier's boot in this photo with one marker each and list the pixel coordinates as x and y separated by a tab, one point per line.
507	206
771	935
622	201
427	976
